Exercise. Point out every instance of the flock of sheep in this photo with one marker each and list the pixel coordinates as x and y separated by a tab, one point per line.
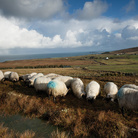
57	85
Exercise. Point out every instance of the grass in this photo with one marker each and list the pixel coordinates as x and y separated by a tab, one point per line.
125	63
58	134
79	117
116	68
6	133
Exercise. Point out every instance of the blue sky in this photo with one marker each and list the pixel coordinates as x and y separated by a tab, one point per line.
49	26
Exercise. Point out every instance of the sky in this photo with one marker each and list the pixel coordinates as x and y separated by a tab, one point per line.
61	26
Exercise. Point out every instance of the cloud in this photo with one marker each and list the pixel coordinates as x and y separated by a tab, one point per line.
71	34
130	32
92	10
38	9
130	6
13	36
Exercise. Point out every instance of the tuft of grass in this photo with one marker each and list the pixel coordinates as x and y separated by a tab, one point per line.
6	133
60	134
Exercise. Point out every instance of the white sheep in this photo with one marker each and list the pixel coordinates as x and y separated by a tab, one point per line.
111	90
130	86
40	83
66	79
128	98
56	88
14	76
31	80
92	90
7	75
24	77
27	76
1	76
52	75
77	87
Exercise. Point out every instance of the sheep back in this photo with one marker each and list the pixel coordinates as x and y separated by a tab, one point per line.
57	88
92	90
14	76
40	83
1	75
77	87
31	80
111	90
130	86
52	75
66	79
128	97
7	75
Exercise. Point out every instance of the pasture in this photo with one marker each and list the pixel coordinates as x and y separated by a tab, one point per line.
78	116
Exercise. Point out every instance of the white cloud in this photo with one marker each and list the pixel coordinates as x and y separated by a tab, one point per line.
68	34
92	10
12	36
130	32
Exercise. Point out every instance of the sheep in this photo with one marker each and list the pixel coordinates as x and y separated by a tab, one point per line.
7	75
130	86
92	90
111	90
27	76
52	75
66	79
24	77
56	88
1	76
14	76
40	83
77	87
31	80
128	98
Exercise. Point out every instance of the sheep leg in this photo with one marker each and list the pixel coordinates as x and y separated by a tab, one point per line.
122	111
54	99
49	97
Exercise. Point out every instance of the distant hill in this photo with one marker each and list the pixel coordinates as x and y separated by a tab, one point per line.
133	50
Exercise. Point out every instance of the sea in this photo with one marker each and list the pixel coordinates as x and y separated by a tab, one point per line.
4	58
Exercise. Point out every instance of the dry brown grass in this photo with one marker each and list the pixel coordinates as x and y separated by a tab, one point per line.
45	62
60	134
6	133
81	118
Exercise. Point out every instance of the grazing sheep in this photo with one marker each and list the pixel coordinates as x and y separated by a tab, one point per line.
92	90
7	75
24	77
111	90
56	88
66	79
130	86
40	83
1	76
31	80
27	76
52	75
14	76
128	98
77	87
